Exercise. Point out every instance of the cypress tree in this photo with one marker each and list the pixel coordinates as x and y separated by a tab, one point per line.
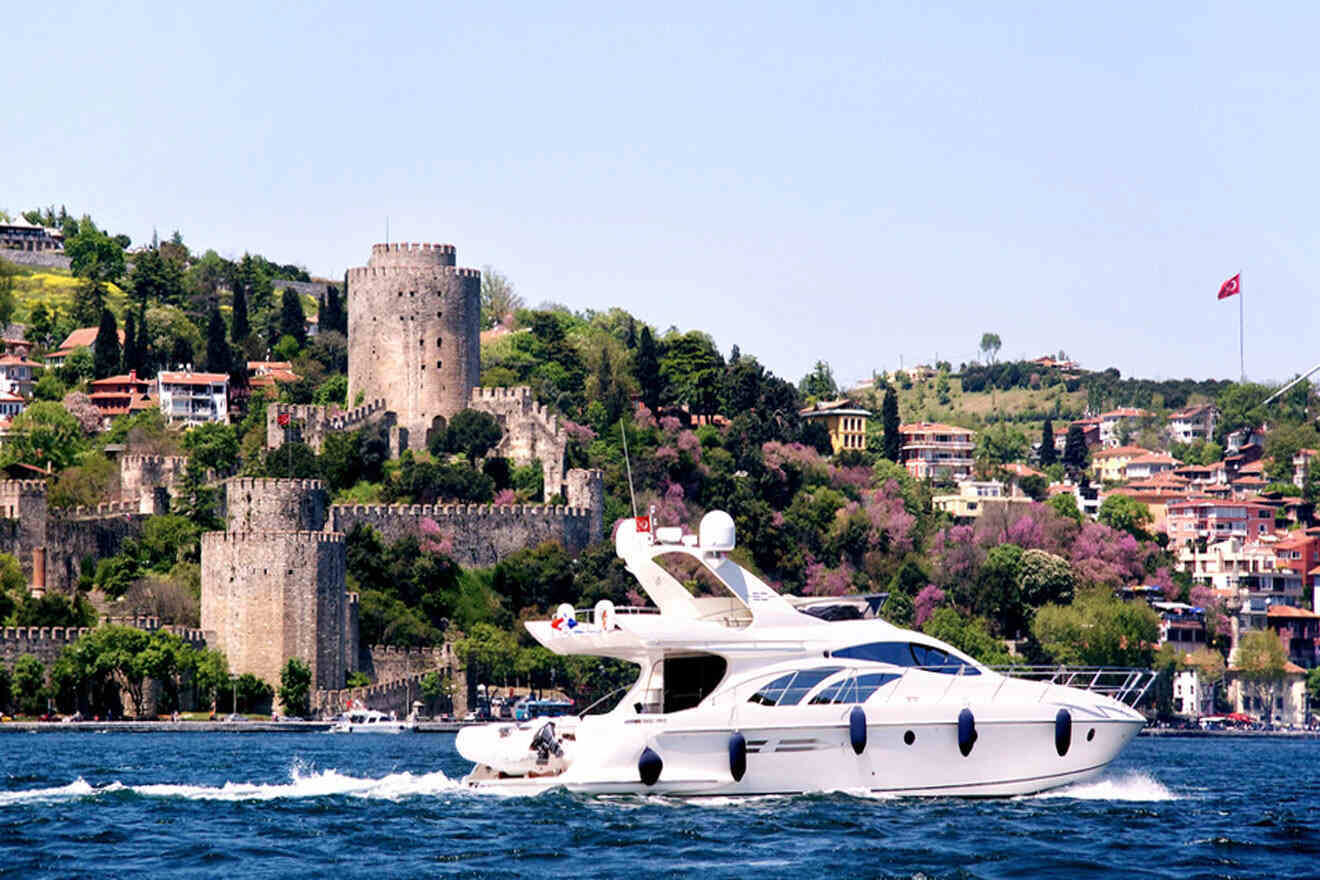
132	360
1048	455
332	314
217	348
106	352
889	416
1074	449
292	320
646	369
241	328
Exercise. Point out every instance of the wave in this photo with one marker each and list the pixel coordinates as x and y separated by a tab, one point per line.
1131	787
302	784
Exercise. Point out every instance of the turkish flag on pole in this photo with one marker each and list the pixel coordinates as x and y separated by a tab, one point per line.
1231	287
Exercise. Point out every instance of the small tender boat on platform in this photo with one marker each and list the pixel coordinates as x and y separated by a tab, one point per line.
359	719
747	693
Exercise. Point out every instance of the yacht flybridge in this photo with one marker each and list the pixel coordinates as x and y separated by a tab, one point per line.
752	692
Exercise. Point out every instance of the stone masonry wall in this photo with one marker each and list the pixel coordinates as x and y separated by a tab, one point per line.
310	423
531	432
256	504
141	475
37	259
46	643
413	334
271	596
481	534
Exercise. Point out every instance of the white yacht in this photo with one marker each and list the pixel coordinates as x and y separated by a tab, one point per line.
359	719
751	693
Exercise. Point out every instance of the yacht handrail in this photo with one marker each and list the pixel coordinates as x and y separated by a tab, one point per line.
1127	685
583	713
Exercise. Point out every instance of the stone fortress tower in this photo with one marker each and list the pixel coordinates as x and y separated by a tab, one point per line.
414	329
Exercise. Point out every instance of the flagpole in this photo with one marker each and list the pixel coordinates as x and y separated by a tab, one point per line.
1242	357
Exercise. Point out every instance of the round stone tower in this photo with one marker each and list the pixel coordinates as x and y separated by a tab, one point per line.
414	324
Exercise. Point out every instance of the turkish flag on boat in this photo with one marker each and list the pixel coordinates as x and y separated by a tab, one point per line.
643	524
1231	287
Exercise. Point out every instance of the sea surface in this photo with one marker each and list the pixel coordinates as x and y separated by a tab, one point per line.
299	805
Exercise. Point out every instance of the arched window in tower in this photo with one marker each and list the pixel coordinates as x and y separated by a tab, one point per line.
438	365
438	339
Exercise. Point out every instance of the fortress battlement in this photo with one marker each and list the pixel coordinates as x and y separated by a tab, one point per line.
22	487
271	484
411	247
365	273
153	459
266	536
66	635
342	421
448	510
520	392
100	511
413	651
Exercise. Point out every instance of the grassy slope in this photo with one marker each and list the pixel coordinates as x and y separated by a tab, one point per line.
54	287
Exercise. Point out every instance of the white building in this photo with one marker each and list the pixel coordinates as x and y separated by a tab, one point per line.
1193	423
193	398
16	374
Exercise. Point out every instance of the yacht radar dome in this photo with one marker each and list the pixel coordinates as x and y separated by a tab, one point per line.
717	532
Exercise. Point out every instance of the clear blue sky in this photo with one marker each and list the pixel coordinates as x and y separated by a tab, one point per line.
848	182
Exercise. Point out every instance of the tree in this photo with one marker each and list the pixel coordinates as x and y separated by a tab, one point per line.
332	316
472	433
214	446
990	345
44	432
1313	686
819	384
1283	444
106	351
690	370
8	271
88	304
210	675
498	299
1126	514
295	688
968	635
29	684
240	329
646	369
1240	407
293	322
998	445
1260	662
156	279
1048	454
1044	579
132	359
1098	629
93	254
1074	450
889	415
218	355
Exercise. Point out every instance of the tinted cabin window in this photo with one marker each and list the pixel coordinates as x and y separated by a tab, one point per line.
908	654
854	688
688	680
788	690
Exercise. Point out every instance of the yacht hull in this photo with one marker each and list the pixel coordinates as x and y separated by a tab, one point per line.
1008	758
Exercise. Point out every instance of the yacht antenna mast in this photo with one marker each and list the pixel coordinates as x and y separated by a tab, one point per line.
632	496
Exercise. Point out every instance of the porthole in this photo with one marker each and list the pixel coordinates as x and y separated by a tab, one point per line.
909	737
1090	734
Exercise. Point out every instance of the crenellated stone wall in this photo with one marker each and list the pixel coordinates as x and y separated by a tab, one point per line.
140	476
481	534
259	504
531	431
46	643
310	423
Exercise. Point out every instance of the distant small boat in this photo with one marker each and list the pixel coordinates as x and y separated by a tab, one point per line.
359	719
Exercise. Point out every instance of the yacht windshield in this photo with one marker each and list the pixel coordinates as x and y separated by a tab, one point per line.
854	688
927	657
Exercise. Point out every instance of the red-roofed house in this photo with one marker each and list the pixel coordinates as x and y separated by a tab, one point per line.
83	337
11	405
942	452
193	398
1090	428
114	395
1114	422
1300	631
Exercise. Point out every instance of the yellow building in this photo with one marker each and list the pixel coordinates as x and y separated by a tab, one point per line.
1110	465
845	421
972	498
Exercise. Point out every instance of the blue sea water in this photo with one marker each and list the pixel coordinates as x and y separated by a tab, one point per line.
293	805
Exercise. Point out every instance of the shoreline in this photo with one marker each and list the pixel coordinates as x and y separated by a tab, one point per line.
197	726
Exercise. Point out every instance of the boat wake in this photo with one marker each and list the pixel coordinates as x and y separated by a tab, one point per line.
1130	787
302	784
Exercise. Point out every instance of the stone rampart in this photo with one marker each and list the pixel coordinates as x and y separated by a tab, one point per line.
315	289
141	475
310	423
46	643
531	431
78	533
481	534
391	663
37	259
268	596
